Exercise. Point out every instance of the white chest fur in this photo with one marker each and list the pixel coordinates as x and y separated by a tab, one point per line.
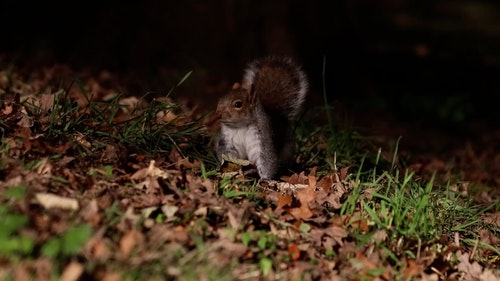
244	141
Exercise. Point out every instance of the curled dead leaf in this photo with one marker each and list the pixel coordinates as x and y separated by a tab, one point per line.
150	171
164	117
80	138
231	166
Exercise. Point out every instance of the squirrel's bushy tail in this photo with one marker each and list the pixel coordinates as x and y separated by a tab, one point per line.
279	83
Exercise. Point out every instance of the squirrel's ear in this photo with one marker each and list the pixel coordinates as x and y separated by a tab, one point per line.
252	96
236	86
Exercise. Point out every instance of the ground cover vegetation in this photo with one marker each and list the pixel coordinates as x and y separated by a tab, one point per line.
99	185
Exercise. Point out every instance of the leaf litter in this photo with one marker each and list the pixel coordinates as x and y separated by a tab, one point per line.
158	216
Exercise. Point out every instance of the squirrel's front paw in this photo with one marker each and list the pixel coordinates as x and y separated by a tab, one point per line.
265	174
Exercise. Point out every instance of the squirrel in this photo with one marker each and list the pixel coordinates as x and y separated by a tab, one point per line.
257	116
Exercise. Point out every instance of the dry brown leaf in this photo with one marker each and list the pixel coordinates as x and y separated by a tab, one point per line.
169	210
199	184
100	250
68	173
90	212
45	168
201	211
231	248
337	233
166	117
177	234
283	201
330	191
316	235
112	276
296	178
25	134
187	164
150	171
49	201
46	101
470	270
43	268
25	122
128	103
72	271
412	269
305	196
326	183
128	242
231	166
492	218
21	273
293	251
343	173
232	220
7	109
110	154
489	238
365	264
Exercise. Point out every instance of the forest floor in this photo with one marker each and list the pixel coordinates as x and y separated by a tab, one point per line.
103	180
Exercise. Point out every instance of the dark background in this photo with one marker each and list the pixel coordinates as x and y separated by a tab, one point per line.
431	64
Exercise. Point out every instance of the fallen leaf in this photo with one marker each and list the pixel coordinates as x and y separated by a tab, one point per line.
187	164
493	218
343	173
49	201
331	190
200	185
230	165
470	270
81	139
337	233
305	196
364	265
8	108
72	272
166	117
283	201
412	269
46	101
100	250
293	251
169	211
128	242
150	171
232	220
163	233
112	276
90	212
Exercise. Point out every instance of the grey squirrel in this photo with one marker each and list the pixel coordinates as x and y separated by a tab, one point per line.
257	116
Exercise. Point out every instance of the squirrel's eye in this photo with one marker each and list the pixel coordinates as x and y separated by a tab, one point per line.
238	104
